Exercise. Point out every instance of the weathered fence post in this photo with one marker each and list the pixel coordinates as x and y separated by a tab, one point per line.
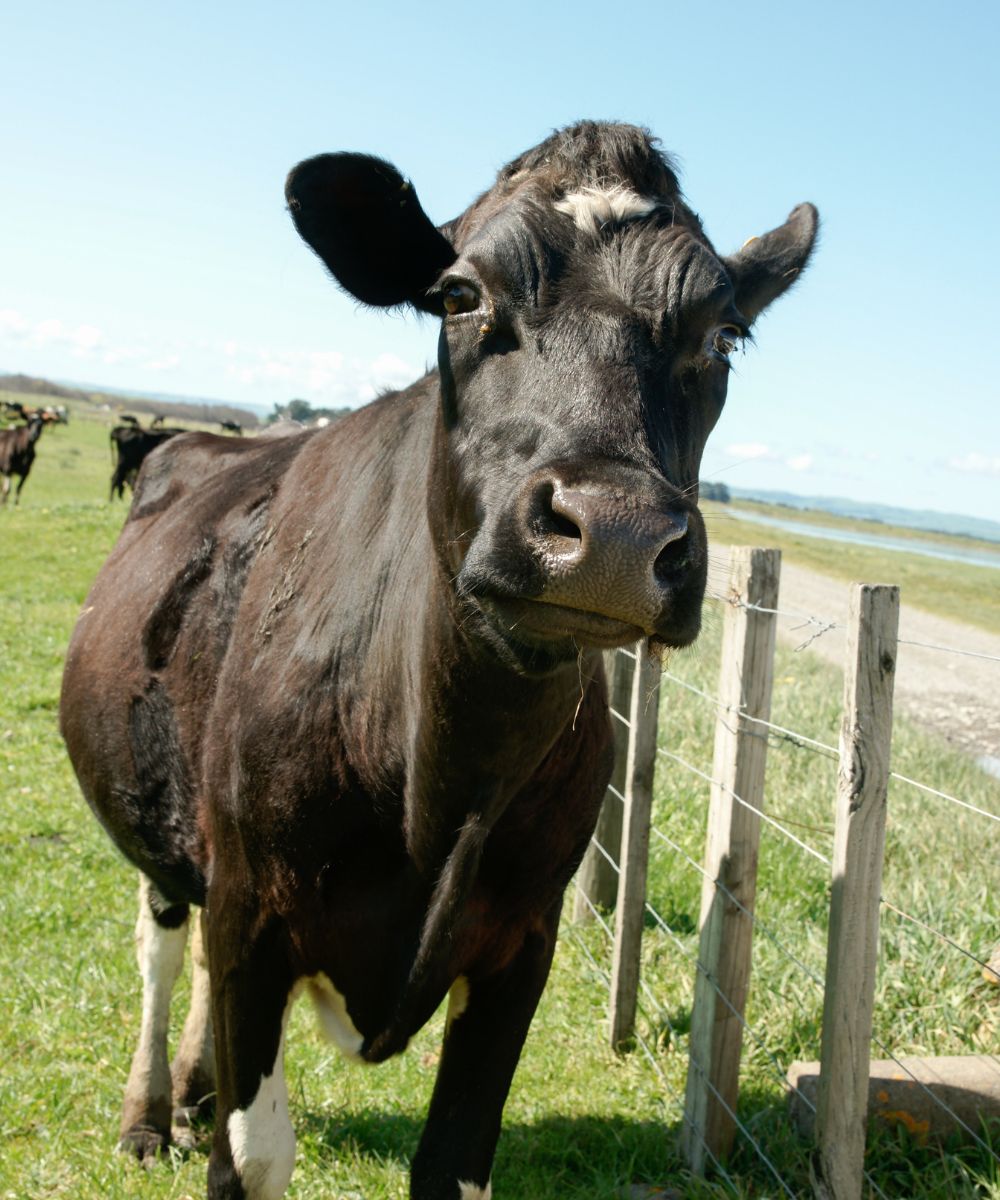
859	841
597	879
639	769
739	760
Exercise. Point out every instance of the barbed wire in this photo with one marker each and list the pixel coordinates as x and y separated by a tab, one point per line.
923	787
618	717
805	741
606	854
769	820
949	650
943	936
825	626
754	919
605	977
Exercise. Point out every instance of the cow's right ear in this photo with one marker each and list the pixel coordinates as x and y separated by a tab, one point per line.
365	222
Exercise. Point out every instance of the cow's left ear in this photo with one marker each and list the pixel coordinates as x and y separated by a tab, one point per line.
768	265
365	222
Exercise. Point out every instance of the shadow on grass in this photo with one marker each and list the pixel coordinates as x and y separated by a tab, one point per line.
577	1158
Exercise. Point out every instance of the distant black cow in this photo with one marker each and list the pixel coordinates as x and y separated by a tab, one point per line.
17	453
232	427
344	688
131	445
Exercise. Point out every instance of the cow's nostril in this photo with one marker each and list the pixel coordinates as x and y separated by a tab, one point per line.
562	525
675	556
550	517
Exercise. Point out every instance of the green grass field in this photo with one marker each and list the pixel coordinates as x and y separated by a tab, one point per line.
582	1123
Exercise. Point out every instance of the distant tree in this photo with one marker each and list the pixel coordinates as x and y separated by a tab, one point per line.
714	491
303	412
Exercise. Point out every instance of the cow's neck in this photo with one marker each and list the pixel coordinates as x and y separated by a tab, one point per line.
473	708
461	777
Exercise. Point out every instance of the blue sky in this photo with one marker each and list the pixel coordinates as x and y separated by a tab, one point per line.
144	242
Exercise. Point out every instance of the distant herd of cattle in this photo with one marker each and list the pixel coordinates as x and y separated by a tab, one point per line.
129	441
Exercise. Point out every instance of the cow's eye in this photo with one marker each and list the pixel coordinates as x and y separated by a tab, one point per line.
727	339
460	298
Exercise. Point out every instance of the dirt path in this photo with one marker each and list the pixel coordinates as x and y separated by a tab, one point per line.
956	695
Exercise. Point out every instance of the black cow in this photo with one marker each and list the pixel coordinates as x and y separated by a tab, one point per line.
132	445
344	689
17	453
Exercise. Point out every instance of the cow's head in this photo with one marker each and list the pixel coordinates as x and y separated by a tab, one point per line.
587	330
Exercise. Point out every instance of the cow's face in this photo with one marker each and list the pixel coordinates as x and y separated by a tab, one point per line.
584	357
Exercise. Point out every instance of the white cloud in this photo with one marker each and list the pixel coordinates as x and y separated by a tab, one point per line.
81	340
975	463
799	462
12	323
166	363
86	337
327	376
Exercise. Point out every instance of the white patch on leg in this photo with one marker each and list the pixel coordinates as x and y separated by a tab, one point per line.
261	1137
472	1191
334	1019
592	207
160	954
194	1062
458	1001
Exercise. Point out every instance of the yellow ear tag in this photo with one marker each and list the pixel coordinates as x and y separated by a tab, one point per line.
755	238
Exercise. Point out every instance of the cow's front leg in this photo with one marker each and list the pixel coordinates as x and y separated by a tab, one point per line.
488	1020
160	936
253	1149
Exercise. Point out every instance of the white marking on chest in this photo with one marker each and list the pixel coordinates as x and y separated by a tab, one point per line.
261	1137
593	207
471	1191
334	1019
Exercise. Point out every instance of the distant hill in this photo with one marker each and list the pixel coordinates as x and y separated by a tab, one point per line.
926	520
175	408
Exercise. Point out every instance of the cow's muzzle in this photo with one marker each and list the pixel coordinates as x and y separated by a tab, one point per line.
628	557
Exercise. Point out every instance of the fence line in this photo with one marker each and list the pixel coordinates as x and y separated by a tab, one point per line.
943	936
825	626
923	787
735	720
950	650
739	800
758	924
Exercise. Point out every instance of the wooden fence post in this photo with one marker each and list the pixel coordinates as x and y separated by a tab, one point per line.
859	841
597	879
639	769
745	679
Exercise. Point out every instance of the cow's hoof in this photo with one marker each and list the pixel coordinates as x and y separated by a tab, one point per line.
199	1112
144	1144
192	1121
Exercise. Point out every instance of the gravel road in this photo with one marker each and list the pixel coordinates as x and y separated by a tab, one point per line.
957	695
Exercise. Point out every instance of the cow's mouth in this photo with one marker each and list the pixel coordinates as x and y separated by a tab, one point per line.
539	620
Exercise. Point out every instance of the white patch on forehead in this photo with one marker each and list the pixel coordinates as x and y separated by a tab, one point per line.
471	1191
593	207
334	1019
261	1137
